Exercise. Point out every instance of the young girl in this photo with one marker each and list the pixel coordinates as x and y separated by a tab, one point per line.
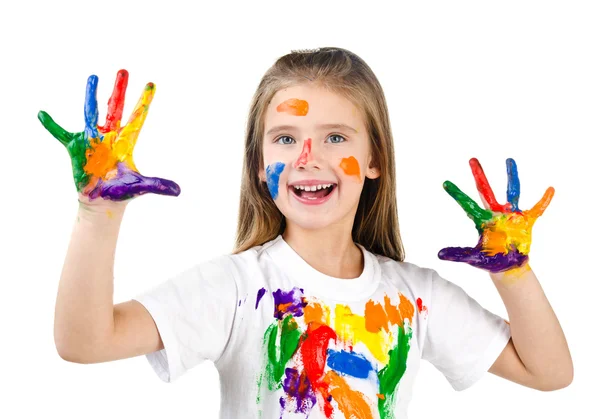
315	314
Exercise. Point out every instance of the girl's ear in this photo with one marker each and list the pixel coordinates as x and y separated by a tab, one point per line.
372	172
261	175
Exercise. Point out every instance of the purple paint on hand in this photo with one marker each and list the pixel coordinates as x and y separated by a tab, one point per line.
129	183
475	256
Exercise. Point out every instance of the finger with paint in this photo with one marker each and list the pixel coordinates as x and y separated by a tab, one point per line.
102	156
504	230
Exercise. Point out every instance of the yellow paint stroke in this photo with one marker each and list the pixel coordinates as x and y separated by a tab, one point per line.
117	146
508	228
352	329
352	403
350	166
296	107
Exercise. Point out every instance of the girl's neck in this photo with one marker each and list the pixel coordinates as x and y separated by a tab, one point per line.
330	252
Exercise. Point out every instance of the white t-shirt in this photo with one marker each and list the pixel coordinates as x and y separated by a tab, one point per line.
291	342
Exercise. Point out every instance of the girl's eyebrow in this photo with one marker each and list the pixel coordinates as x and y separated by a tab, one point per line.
280	128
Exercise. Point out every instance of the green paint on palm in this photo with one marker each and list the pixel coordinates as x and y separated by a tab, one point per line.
479	215
390	375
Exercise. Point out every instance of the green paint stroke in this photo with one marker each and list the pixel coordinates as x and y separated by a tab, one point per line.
75	143
278	353
479	215
390	375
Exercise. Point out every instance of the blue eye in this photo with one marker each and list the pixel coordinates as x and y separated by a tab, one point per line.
338	136
285	136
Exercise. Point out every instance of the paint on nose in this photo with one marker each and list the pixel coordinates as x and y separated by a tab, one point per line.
273	172
305	155
296	107
350	166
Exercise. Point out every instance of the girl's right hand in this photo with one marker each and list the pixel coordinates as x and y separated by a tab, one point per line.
102	156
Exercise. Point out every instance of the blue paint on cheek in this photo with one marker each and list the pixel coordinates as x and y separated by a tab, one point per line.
273	172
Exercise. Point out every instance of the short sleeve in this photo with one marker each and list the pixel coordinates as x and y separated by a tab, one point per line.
463	339
194	313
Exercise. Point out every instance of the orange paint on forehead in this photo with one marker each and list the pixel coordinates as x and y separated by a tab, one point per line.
350	166
297	107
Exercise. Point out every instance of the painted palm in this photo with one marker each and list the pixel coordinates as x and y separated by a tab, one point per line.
102	156
504	230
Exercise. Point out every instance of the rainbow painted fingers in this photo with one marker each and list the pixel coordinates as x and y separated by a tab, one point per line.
505	230
102	156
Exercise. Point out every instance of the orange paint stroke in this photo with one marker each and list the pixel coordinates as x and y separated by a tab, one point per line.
352	403
376	318
296	107
350	166
316	314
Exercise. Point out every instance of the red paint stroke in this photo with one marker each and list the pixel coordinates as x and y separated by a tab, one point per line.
313	349
484	188
116	103
304	156
420	305
296	107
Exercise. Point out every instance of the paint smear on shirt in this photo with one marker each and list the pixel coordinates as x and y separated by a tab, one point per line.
350	166
302	342
296	107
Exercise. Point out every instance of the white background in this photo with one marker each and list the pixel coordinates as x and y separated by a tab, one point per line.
462	79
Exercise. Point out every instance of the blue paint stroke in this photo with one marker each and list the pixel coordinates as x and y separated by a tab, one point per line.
514	186
273	172
90	110
349	363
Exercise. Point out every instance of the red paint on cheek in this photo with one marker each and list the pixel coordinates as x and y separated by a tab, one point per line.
303	159
350	166
296	107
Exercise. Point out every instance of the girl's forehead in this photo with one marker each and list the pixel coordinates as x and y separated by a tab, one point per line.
304	103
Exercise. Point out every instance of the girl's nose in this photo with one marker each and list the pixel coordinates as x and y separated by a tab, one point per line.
306	155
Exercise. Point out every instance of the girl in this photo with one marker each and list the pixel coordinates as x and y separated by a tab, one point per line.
315	314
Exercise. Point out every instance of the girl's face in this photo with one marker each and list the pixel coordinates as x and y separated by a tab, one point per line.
316	155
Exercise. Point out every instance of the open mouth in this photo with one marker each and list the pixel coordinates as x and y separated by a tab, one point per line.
306	192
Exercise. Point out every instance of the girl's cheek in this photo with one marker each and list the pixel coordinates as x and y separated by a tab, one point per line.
351	167
273	172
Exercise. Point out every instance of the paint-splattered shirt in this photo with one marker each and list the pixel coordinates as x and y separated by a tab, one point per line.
291	342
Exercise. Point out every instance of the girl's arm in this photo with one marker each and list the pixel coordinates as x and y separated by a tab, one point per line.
537	355
87	327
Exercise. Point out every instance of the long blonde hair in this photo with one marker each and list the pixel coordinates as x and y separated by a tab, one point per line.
339	70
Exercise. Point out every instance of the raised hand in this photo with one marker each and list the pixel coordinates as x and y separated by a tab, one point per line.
504	230
102	156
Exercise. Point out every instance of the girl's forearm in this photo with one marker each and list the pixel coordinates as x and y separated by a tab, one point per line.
536	333
84	303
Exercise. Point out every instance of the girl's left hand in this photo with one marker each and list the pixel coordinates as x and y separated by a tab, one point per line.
504	230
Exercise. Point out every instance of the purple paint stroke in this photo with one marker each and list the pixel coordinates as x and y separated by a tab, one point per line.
289	302
129	183
297	387
259	295
475	256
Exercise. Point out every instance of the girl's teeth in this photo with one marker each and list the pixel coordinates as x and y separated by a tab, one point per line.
313	187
